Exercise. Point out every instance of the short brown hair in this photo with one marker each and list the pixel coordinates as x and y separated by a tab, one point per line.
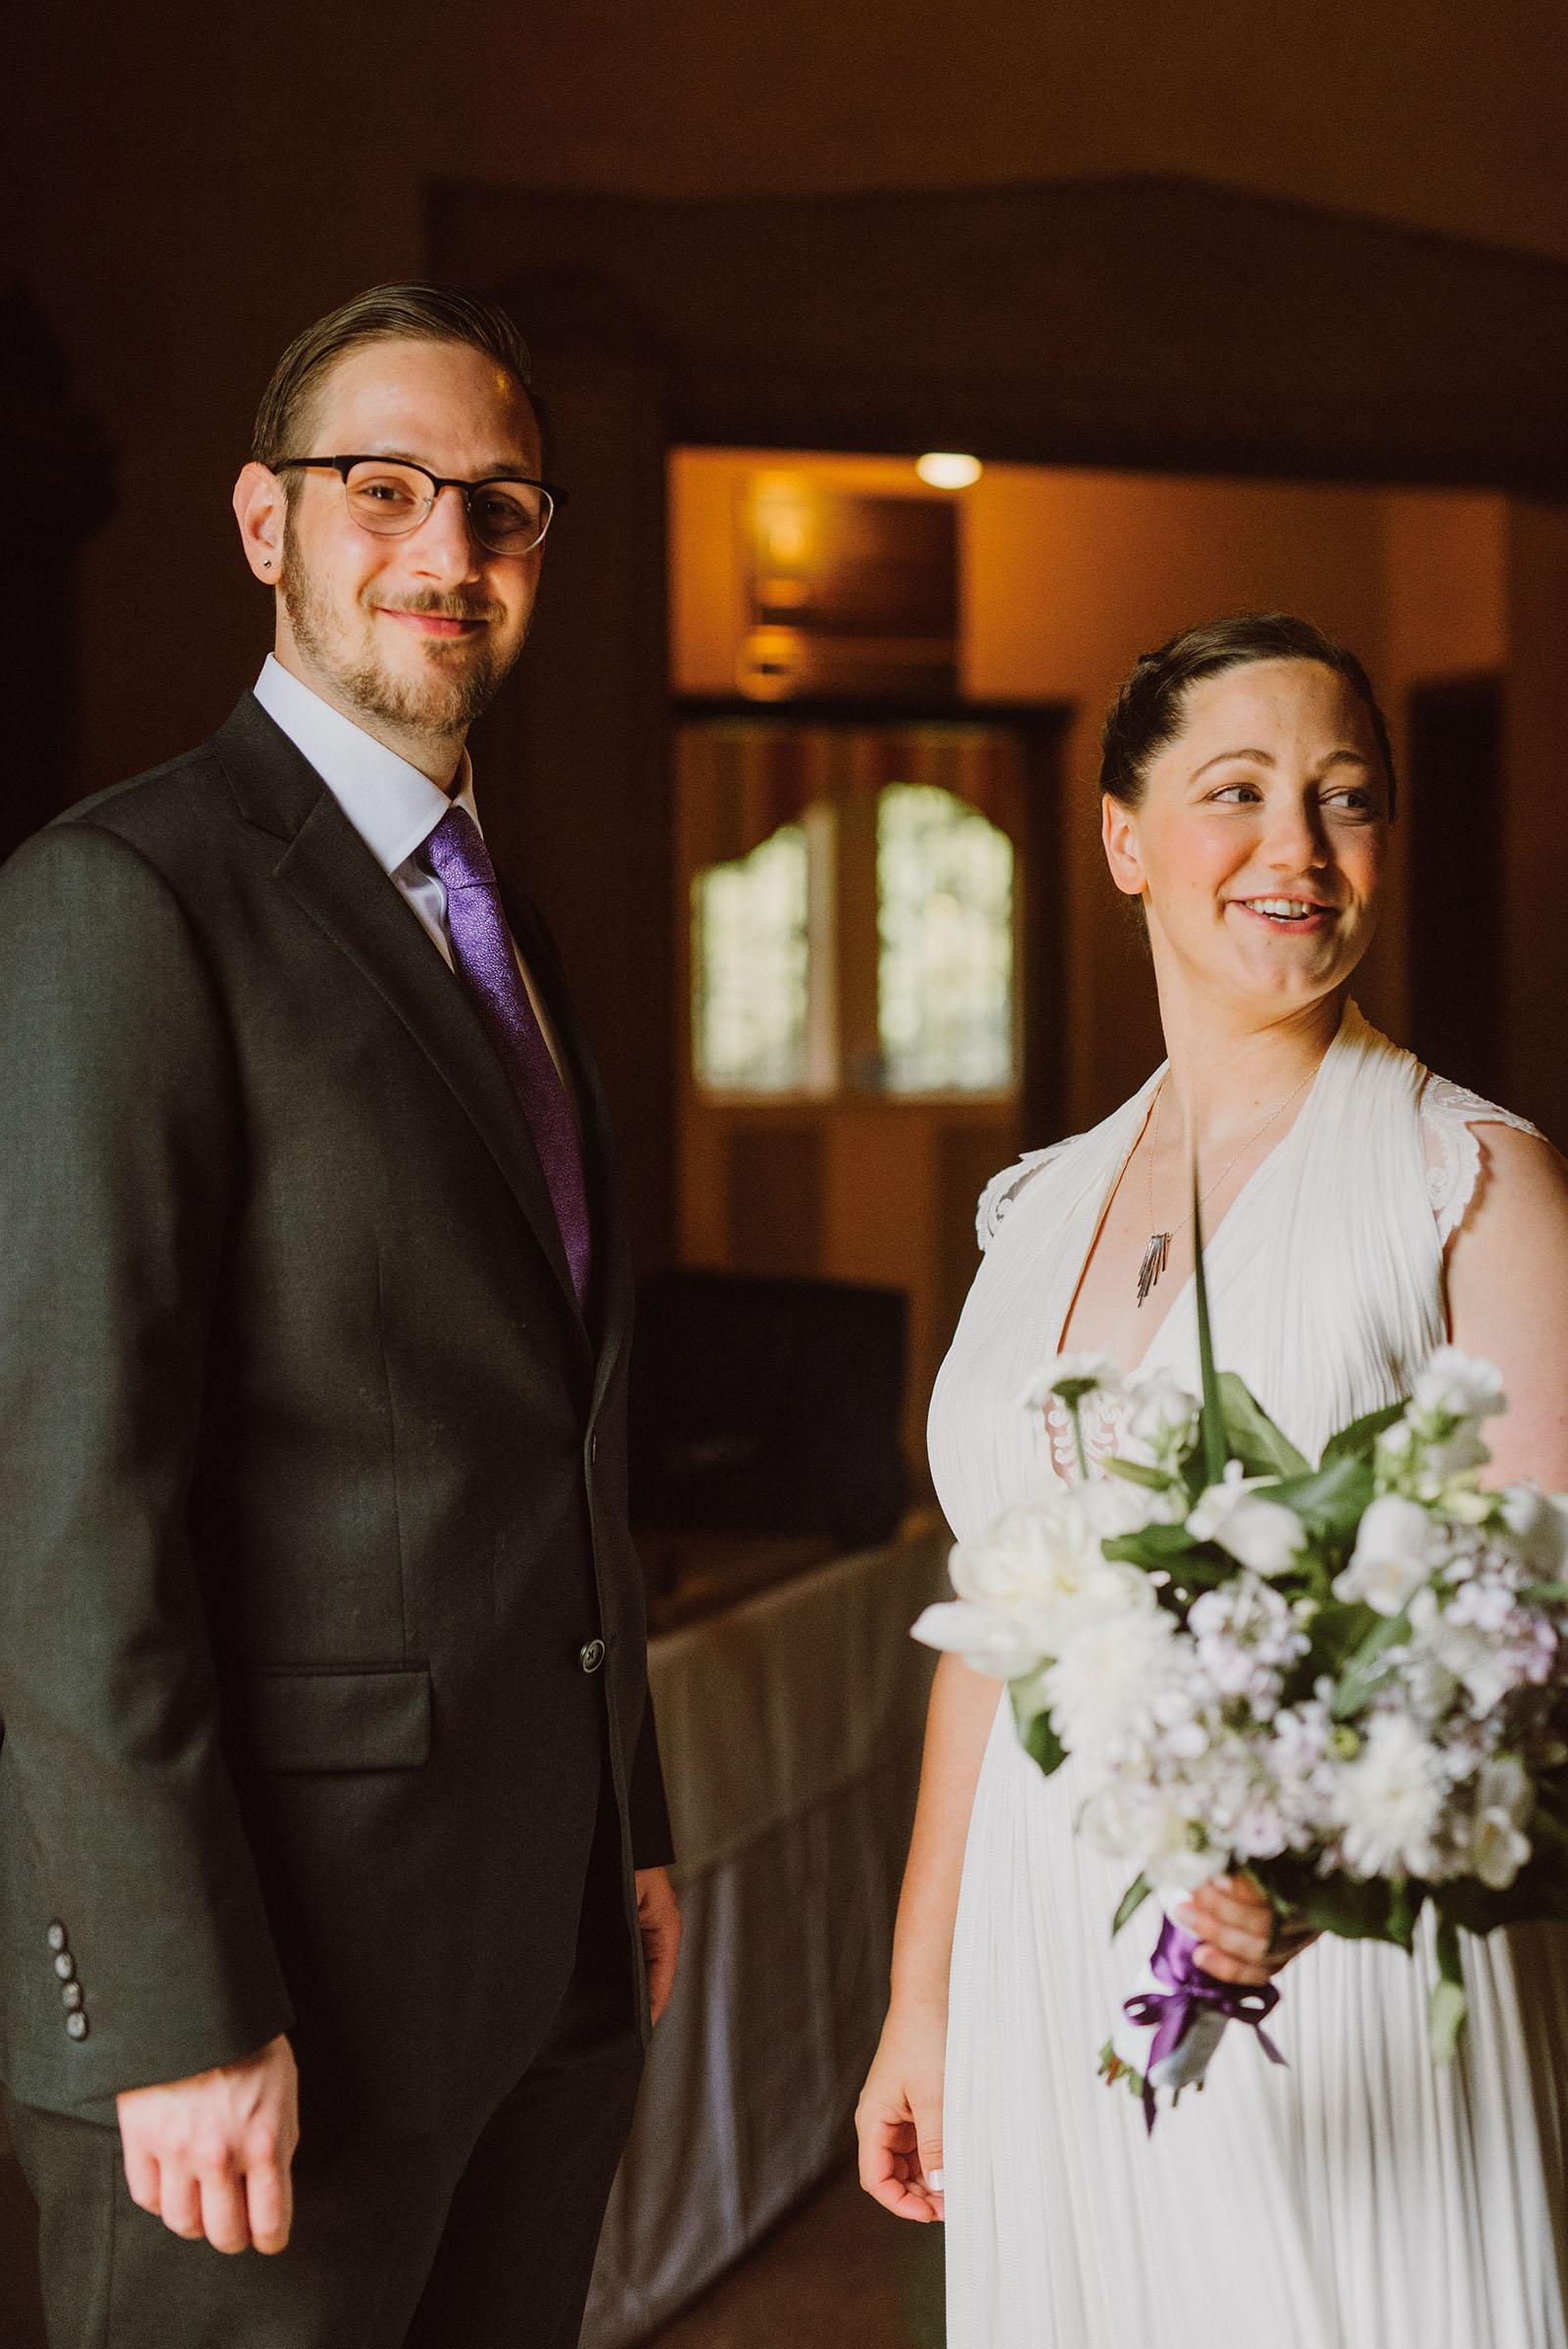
1147	713
421	314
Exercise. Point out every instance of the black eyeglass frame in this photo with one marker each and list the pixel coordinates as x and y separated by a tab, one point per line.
344	466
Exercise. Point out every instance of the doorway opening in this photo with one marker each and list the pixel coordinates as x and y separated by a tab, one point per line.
899	957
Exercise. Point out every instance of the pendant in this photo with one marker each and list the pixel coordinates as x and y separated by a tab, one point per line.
1156	1257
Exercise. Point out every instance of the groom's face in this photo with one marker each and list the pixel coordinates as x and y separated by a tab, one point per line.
415	632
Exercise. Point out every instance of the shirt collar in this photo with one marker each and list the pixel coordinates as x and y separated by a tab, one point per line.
392	807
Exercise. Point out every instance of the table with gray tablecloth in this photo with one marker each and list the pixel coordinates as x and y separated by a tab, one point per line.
789	1727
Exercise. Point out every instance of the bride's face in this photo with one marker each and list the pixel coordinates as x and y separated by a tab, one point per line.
1260	844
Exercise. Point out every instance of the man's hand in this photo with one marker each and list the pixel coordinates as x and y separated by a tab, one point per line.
212	2155
658	1919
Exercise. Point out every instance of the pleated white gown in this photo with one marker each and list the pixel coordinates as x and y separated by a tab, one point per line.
1360	2199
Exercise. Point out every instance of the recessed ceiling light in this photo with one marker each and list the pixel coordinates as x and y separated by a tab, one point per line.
944	469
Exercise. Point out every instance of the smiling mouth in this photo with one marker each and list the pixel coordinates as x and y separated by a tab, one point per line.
1284	912
434	623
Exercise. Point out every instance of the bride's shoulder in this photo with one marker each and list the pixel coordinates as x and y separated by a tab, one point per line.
1003	1191
1478	1152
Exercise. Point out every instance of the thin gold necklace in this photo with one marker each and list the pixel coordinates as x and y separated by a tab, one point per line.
1156	1256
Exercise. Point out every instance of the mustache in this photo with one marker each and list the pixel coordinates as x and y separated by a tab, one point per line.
434	605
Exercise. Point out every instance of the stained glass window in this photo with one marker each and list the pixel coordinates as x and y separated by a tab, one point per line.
945	962
750	967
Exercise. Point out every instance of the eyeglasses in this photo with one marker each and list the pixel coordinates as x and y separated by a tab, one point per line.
509	514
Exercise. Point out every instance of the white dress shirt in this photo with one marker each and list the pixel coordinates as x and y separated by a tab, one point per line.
392	807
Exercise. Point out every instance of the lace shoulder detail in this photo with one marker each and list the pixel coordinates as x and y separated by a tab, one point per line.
1449	1114
1002	1189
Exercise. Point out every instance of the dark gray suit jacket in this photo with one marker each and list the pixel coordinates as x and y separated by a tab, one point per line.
311	1473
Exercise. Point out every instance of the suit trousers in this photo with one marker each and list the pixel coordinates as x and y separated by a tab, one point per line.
482	2236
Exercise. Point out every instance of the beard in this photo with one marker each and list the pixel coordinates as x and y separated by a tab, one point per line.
456	684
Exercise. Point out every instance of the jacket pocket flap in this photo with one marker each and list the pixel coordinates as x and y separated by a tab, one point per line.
335	1719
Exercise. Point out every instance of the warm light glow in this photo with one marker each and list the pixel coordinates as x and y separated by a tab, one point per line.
943	469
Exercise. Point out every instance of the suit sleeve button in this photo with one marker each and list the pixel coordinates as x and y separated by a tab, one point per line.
75	2026
56	1935
591	1655
71	1996
65	1965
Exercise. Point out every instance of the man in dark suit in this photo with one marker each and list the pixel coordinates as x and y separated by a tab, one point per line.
322	1658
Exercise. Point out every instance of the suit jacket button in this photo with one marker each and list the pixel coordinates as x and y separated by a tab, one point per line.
56	1935
71	1996
75	2026
65	1965
592	1656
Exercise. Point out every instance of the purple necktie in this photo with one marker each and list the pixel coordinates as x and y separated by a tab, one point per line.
482	950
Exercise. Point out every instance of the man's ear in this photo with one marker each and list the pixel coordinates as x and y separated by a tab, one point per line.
260	511
1118	829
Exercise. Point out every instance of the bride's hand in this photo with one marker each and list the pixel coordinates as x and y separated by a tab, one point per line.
898	2118
1240	1937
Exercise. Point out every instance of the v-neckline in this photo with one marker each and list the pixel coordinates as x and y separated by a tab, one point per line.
1109	1197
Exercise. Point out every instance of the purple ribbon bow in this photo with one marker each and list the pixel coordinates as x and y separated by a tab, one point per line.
1189	1987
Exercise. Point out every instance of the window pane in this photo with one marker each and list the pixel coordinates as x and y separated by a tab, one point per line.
749	968
944	967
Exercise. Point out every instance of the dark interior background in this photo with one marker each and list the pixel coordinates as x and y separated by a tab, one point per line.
1324	243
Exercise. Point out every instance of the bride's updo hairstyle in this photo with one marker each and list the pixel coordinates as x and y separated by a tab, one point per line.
1147	714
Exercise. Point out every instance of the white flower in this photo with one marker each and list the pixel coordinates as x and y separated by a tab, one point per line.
1033	1556
1458	1386
989	1642
1455	1649
1392	1555
1084	1374
1041	1557
1103	1687
1261	1534
1538	1524
1504	1799
1453	1456
1161	1422
1026	1581
1245	1638
1390	1801
1145	1825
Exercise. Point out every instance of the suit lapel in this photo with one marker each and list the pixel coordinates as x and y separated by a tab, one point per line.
330	873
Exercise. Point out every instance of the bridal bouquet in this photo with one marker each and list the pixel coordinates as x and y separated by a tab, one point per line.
1350	1679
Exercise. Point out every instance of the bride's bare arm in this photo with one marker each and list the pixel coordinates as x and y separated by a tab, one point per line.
1508	1300
898	2121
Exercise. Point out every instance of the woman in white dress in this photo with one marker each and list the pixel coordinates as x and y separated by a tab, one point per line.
1356	1210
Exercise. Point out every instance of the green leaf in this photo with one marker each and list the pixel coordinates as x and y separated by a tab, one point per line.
1038	1739
1338	1904
1156	1480
1212	1419
1356	1442
1365	1667
1330	1501
1337	1631
1445	2011
1537	1896
1252	1437
1152	1545
1132	1900
1405	1904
